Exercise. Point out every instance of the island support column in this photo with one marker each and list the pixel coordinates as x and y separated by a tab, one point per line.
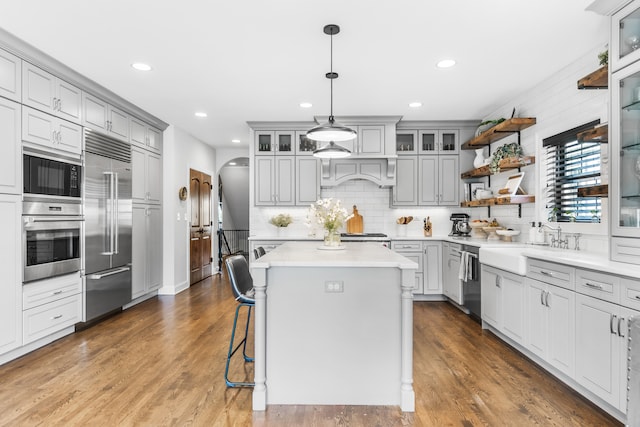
407	395
260	321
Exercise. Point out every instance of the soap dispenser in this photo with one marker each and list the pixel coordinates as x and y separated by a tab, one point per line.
532	232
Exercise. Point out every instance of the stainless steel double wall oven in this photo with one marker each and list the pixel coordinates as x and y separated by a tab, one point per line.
52	214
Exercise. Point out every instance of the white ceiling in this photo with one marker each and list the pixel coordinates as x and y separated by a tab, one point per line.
256	60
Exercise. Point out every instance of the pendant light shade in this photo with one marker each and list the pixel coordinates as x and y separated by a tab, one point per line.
331	131
332	151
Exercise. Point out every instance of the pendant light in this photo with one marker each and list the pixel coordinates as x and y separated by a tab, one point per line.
331	131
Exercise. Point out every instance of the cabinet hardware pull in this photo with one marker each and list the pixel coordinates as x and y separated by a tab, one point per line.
546	273
594	286
611	321
546	298
542	297
498	281
56	293
637	296
620	320
56	317
59	104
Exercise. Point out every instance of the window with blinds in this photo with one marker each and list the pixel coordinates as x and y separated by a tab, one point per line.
570	165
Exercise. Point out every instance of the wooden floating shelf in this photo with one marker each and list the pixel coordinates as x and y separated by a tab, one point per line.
599	79
505	165
594	191
505	200
498	132
599	134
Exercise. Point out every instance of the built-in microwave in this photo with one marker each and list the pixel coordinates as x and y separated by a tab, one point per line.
45	176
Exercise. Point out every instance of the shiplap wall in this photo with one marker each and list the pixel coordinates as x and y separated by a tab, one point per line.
557	105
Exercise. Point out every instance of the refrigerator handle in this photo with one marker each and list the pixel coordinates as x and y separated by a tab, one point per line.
108	206
116	228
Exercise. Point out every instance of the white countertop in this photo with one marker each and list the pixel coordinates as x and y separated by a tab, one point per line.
307	254
513	259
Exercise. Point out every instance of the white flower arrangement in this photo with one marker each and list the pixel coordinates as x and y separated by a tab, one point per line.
281	220
328	213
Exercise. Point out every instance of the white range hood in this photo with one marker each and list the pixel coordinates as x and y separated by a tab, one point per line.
379	170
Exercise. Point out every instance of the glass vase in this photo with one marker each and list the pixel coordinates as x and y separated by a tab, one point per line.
331	238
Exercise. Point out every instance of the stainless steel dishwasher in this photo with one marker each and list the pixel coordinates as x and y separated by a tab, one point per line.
470	275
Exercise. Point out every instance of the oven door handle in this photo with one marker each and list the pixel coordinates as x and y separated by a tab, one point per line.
109	273
32	219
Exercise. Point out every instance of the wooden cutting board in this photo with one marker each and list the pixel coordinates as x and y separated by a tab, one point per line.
354	224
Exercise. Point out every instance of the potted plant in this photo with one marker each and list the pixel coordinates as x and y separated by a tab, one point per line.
504	152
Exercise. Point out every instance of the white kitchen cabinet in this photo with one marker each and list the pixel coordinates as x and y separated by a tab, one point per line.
10	147
146	272
438	180
432	269
625	27
52	317
268	143
503	302
46	92
370	140
50	132
146	176
10	76
11	267
304	145
405	192
101	116
145	136
550	313
601	329
491	295
274	180
452	285
431	141
412	249
307	181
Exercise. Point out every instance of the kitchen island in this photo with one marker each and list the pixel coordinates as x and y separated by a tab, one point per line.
333	327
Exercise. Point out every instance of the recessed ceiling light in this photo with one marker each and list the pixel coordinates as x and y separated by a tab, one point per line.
306	104
415	104
446	63
141	66
235	141
201	114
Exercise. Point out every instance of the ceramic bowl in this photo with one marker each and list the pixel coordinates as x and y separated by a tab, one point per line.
507	234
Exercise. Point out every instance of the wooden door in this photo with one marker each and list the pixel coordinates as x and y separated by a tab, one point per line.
201	222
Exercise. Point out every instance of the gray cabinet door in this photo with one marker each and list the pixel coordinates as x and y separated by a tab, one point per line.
449	180
10	149
264	180
405	192
432	268
10	76
428	180
285	180
138	252
307	180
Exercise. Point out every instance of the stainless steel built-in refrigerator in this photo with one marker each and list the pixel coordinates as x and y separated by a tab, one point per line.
108	219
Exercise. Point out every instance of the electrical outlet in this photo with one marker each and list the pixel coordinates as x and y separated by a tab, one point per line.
334	286
178	216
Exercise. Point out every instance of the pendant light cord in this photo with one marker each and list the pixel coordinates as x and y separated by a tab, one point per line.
331	79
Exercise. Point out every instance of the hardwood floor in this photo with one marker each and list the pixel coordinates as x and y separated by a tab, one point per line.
161	363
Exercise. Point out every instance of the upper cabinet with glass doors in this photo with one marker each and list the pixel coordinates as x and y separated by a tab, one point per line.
269	143
438	142
624	187
625	36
